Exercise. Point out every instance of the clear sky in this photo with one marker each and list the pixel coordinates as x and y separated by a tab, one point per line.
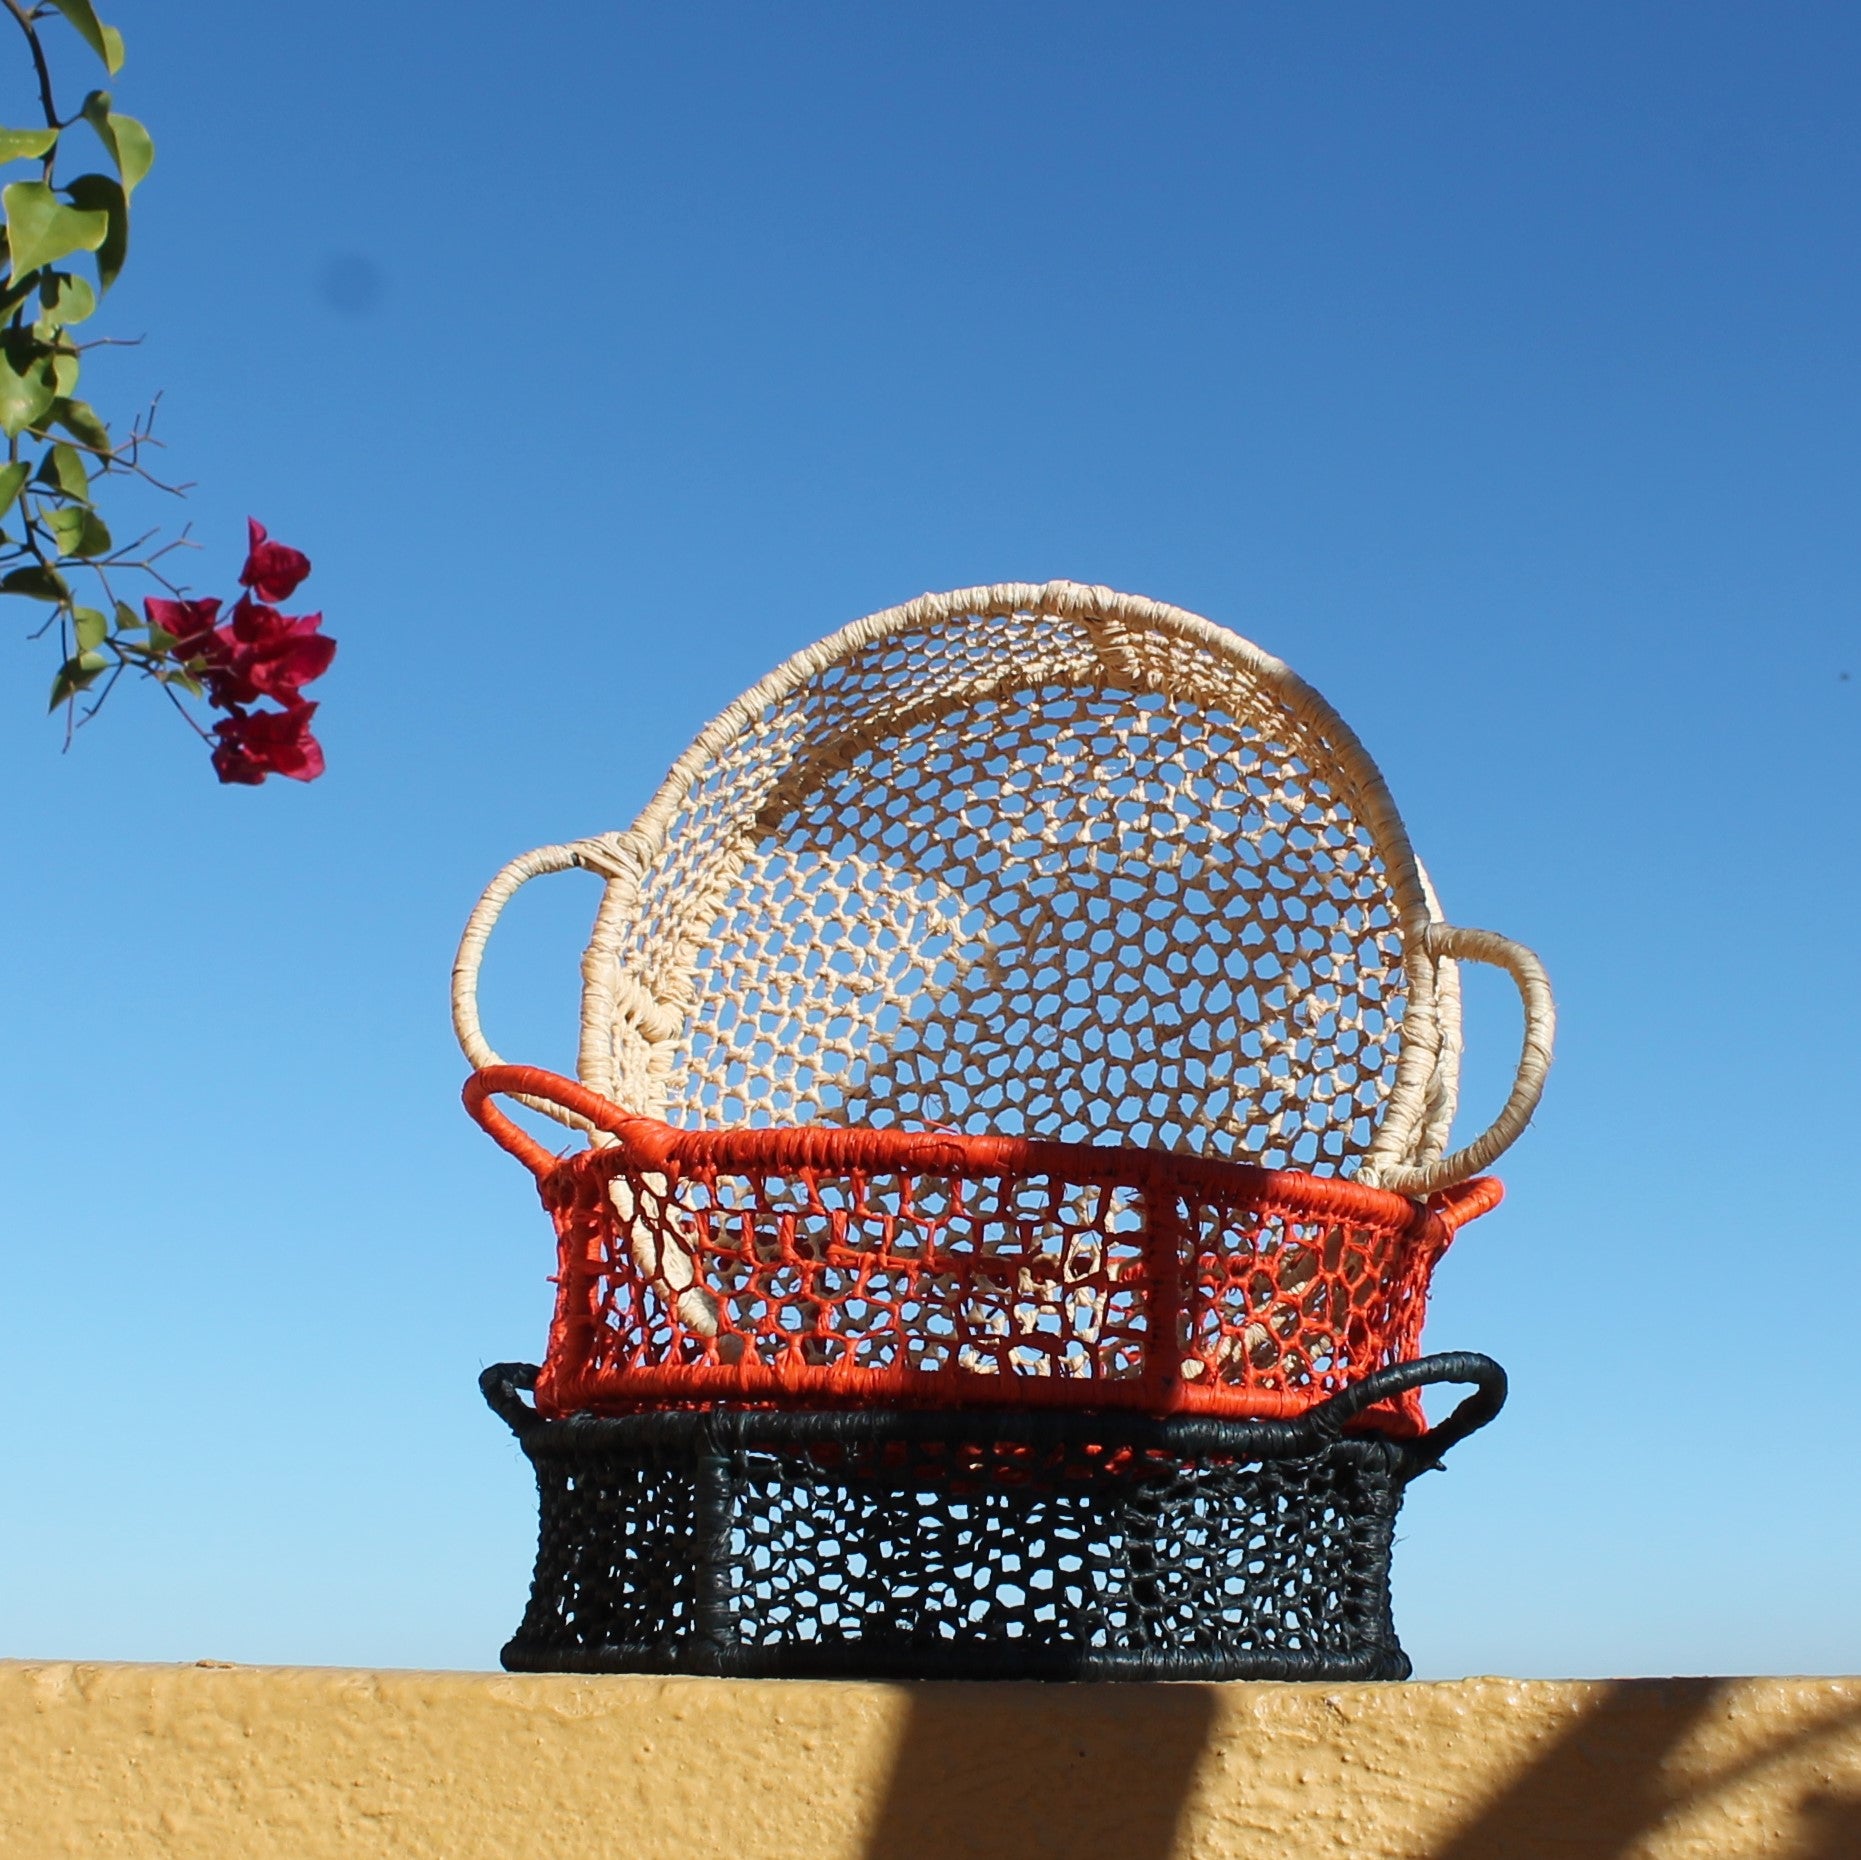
1496	366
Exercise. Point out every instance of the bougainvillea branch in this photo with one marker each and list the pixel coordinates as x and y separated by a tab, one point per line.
55	542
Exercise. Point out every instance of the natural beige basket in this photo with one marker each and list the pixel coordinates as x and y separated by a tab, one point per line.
1042	861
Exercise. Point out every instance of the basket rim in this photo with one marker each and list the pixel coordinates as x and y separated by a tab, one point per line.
1363	1411
861	1150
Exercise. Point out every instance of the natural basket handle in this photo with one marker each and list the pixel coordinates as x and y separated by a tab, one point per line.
1534	986
601	856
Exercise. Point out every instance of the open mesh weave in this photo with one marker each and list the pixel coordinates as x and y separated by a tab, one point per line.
960	1545
1022	873
871	1352
827	1266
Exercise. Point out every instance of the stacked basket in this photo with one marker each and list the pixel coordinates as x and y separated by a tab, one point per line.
1018	1050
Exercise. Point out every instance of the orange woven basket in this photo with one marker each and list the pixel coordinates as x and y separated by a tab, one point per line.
826	1267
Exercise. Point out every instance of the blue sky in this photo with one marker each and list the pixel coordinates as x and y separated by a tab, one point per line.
1495	366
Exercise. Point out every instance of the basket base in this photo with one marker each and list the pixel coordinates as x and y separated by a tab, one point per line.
918	1544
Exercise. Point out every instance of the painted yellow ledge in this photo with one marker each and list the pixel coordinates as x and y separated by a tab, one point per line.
214	1761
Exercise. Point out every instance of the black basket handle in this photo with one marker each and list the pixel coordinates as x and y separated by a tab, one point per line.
1489	1396
503	1386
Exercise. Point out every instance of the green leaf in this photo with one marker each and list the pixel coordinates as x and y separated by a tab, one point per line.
77	674
104	40
37	584
127	619
135	150
27	390
64	371
90	626
41	229
80	531
185	679
22	144
130	145
12	478
63	466
79	419
65	298
97	193
15	291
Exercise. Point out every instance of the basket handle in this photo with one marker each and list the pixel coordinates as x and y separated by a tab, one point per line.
550	1093
1489	1396
503	1386
596	855
1450	940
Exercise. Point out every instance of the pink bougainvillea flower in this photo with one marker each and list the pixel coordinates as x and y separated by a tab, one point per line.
234	764
272	571
255	653
190	622
254	744
264	653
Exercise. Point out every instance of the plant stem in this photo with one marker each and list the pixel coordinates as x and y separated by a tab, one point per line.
39	65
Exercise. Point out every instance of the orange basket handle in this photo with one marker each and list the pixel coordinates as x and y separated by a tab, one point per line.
1534	986
548	1092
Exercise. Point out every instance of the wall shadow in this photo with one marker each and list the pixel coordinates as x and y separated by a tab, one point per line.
1024	1772
983	1769
1599	1787
1603	1786
1833	1826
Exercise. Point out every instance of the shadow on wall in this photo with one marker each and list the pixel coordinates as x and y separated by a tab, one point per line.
1111	1775
1833	1826
1621	1773
978	1773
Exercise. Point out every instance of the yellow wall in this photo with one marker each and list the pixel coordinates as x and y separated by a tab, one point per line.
209	1761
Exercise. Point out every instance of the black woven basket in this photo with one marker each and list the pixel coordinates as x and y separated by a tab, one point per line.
984	1544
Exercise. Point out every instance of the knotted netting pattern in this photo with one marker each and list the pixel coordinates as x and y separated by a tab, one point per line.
851	1267
733	1546
1023	873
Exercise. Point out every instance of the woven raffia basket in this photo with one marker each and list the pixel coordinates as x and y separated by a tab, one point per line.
1025	1003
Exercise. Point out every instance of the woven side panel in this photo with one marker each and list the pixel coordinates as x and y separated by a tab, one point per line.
835	1283
952	1556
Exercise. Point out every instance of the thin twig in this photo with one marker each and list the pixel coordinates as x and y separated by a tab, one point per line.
39	65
